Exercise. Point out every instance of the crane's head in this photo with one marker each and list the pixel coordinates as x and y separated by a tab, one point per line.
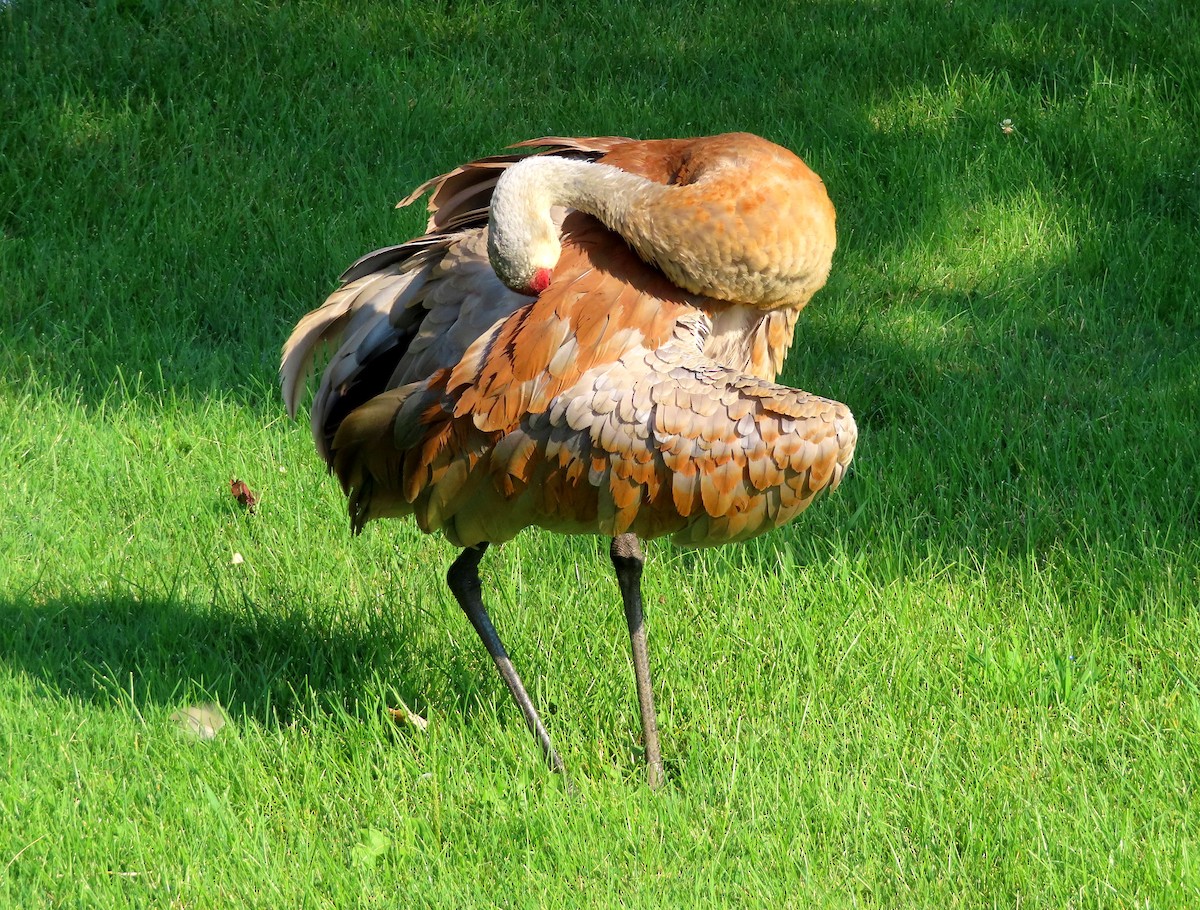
523	244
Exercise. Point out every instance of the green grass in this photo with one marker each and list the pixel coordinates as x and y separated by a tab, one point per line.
971	678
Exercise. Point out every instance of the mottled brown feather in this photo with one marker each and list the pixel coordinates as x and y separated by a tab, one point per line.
614	401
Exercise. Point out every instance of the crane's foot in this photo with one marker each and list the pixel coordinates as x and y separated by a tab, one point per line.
627	559
463	579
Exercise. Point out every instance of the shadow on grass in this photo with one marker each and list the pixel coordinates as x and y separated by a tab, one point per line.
190	199
272	667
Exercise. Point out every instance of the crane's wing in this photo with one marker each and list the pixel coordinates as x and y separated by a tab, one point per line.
593	409
401	323
405	311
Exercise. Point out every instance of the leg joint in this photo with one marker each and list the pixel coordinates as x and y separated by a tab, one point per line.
463	575
626	555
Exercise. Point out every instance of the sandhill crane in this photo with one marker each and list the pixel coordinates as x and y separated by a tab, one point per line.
585	339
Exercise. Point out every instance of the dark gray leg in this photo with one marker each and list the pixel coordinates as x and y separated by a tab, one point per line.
463	579
627	559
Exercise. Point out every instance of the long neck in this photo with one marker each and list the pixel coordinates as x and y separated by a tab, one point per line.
608	193
522	235
694	233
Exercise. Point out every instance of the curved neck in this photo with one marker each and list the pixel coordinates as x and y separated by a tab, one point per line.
531	187
696	233
522	235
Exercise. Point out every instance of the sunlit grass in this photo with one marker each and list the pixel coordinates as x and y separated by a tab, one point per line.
969	678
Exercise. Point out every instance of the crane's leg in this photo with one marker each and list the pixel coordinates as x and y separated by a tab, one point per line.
463	579
627	559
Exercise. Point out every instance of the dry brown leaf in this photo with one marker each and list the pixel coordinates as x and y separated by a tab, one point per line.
243	494
404	715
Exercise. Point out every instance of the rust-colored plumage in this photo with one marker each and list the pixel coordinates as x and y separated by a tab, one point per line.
633	397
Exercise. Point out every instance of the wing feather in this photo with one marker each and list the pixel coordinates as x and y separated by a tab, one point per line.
606	404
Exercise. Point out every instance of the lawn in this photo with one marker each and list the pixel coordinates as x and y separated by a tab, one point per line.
970	678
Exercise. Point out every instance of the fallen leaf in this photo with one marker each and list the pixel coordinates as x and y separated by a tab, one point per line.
373	845
404	715
200	721
243	494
